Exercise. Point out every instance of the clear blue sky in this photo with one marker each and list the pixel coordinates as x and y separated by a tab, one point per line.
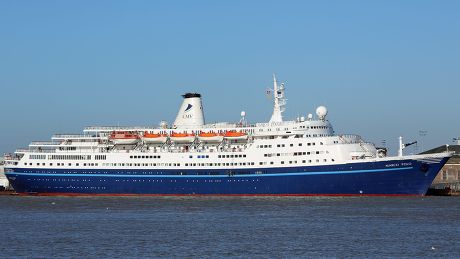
383	68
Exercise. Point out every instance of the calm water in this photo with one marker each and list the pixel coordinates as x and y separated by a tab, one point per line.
48	227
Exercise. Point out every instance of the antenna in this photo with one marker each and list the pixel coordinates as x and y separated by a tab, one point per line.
243	119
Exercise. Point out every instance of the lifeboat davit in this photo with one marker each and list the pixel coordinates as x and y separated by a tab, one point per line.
154	138
182	137
235	135
210	137
124	137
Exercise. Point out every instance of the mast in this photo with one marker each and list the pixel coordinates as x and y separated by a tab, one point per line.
279	102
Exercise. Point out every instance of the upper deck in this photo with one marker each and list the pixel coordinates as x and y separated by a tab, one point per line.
190	134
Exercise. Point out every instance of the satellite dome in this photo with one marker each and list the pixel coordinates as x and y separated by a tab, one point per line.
310	117
321	111
243	114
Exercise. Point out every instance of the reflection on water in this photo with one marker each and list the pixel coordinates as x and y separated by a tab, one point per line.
230	226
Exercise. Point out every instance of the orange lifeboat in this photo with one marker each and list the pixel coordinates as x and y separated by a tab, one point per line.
235	135
154	138
210	137
182	137
124	137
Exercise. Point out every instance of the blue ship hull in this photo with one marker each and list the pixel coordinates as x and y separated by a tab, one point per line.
398	177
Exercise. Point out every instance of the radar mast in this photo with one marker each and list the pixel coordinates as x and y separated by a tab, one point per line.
279	102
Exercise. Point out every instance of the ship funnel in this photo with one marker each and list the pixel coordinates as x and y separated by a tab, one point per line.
191	112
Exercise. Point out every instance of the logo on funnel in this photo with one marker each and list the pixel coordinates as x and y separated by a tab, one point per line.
189	106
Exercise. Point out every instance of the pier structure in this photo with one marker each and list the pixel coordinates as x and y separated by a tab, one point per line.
4	184
449	176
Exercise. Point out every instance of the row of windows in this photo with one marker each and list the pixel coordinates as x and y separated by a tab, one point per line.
63	164
109	164
302	153
317	135
69	157
305	161
68	148
136	157
314	127
137	180
277	129
264	146
141	164
231	156
319	127
230	173
302	127
219	164
295	162
178	164
67	180
37	156
100	157
199	156
299	144
294	154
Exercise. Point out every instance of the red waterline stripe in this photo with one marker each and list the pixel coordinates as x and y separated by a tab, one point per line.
219	195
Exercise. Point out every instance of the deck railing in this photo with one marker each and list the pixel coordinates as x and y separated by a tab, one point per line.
67	136
207	126
25	150
112	128
44	143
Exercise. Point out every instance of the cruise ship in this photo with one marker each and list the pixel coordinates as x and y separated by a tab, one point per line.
304	156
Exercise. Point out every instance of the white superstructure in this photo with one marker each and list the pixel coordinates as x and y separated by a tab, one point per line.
190	143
